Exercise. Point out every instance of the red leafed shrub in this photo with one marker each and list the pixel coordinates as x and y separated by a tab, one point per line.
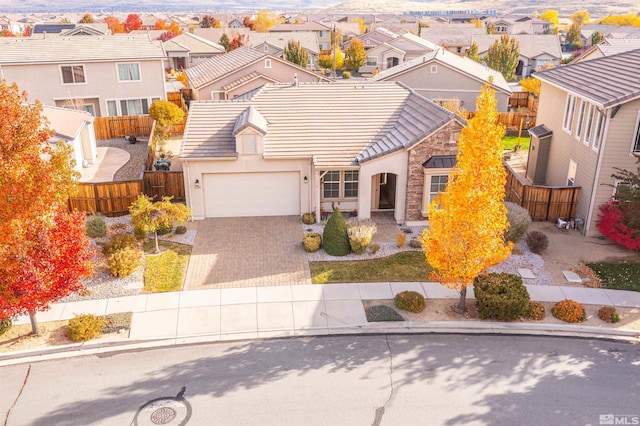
611	225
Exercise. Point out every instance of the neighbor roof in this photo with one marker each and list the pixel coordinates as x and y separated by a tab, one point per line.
531	45
308	39
304	26
65	122
607	81
193	43
305	121
218	66
21	50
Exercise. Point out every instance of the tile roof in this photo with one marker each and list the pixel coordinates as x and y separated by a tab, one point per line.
304	26
462	64
371	120
216	67
246	78
540	131
440	162
193	44
251	117
531	45
451	34
21	50
307	39
607	81
613	46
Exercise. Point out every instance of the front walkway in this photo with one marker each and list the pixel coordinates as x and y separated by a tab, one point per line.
248	252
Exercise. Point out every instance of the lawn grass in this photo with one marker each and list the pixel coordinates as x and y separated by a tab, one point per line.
508	142
618	276
165	271
404	266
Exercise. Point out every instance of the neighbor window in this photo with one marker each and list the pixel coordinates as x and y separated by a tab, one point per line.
438	184
588	126
571	175
129	72
434	69
351	184
636	137
579	123
73	74
129	106
568	113
331	185
598	130
372	61
267	63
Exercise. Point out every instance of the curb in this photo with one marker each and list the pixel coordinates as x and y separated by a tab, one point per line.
404	327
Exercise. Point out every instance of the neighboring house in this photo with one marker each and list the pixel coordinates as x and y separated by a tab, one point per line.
608	47
518	25
607	31
243	70
323	32
75	128
214	34
187	50
97	29
373	39
396	51
107	76
288	149
455	38
443	76
535	50
40	29
235	24
397	27
275	43
588	124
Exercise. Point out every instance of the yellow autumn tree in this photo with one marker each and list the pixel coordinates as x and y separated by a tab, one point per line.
468	220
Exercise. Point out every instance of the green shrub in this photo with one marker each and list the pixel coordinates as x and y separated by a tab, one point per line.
124	262
606	314
312	242
569	311
537	241
415	243
346	74
308	218
84	327
360	232
5	325
535	311
118	242
180	230
165	228
373	248
519	220
96	226
335	237
112	323
500	296
411	301
139	233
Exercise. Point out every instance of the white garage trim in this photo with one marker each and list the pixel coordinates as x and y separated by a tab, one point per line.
251	194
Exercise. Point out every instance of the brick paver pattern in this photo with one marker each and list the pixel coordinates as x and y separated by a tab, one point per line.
248	252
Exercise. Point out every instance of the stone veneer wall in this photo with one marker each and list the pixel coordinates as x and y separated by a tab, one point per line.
443	142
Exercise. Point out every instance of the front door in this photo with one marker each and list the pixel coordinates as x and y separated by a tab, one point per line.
384	191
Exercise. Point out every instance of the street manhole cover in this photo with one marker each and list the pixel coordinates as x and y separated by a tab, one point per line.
171	411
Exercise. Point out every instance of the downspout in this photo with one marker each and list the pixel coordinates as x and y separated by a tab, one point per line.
596	177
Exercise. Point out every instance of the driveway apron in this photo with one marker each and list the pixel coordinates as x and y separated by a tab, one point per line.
248	252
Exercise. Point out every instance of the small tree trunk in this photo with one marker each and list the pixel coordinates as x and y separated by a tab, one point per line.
35	327
461	307
155	233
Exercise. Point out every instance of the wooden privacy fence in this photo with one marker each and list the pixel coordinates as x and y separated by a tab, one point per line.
114	198
544	203
136	125
512	119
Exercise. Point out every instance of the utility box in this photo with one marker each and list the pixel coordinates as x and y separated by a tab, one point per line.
538	156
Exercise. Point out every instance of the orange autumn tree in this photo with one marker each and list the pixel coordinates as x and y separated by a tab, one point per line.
468	220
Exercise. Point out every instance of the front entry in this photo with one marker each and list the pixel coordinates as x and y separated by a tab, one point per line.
384	191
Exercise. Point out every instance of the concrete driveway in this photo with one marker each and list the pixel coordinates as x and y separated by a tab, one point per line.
248	252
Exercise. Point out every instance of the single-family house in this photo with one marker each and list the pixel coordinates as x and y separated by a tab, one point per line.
608	47
275	43
243	70
535	50
187	50
588	124
396	51
455	38
373	39
287	149
74	127
214	34
106	76
443	76
322	31
607	31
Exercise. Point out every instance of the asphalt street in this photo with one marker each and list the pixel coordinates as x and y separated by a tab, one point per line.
334	380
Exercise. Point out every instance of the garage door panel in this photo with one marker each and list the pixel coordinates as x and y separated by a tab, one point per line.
251	194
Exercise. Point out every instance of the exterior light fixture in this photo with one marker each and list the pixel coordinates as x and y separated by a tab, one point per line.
197	183
306	180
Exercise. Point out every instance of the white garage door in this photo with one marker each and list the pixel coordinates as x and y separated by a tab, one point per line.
251	194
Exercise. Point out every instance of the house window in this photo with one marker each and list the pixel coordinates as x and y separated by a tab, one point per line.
588	127
598	131
217	95
620	188
73	74
636	137
580	122
568	113
571	175
434	69
129	106
267	63
372	61
266	47
459	49
129	72
331	185
351	184
438	184
249	145
322	34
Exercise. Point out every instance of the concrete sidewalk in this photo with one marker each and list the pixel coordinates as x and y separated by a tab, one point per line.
293	310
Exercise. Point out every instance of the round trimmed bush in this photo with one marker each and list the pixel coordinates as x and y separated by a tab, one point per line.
537	241
180	230
335	236
5	325
500	296
84	327
608	314
411	301
311	242
535	311
569	311
96	226
519	221
124	262
118	242
165	228
308	218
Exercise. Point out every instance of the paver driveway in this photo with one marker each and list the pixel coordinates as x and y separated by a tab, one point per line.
248	252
